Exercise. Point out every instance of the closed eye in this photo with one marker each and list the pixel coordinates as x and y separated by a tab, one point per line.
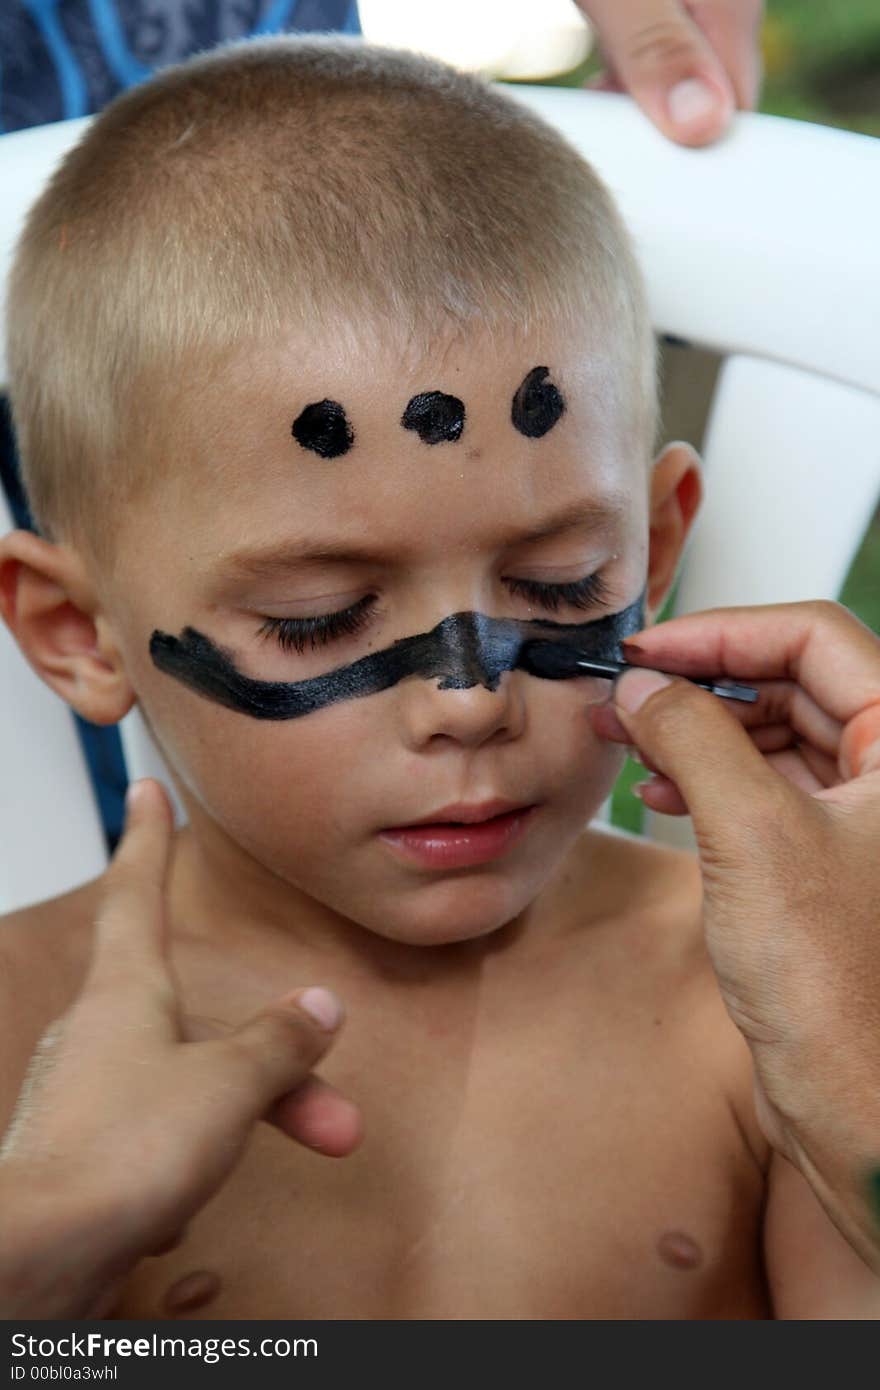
589	592
295	634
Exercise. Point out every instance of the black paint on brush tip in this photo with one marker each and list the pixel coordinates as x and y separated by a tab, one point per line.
323	427
537	404
463	650
435	417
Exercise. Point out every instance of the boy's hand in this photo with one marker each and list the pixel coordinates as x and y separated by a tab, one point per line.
124	1129
688	63
785	800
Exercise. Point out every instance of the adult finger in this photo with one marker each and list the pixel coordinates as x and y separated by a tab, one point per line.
605	82
725	781
770	738
733	28
797	762
820	645
860	745
668	66
782	711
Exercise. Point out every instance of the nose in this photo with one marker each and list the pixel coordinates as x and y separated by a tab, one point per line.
470	717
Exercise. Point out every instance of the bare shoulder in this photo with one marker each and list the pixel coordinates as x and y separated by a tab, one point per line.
44	953
657	920
44	947
644	879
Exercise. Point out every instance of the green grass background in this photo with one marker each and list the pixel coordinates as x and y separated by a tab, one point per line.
821	64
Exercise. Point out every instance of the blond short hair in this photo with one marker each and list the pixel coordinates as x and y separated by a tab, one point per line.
284	184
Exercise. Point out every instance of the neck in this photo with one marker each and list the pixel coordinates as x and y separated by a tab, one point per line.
220	895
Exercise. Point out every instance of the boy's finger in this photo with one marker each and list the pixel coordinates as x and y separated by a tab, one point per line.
130	928
314	1113
317	1115
277	1048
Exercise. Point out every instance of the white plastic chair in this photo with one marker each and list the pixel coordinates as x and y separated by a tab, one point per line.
762	248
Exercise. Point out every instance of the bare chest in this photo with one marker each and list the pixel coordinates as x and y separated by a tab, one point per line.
516	1187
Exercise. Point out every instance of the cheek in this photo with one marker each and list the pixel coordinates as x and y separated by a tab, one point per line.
300	797
580	767
308	789
288	781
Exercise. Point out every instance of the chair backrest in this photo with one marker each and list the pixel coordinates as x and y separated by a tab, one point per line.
762	248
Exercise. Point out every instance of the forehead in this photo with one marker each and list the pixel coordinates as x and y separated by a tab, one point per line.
377	437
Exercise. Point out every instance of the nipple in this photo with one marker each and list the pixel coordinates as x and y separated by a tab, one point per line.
194	1290
679	1250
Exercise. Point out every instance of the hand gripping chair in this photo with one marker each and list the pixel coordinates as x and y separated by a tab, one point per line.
762	248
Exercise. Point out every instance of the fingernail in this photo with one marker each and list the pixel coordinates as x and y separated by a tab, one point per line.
632	647
602	696
691	101
633	688
322	1006
132	797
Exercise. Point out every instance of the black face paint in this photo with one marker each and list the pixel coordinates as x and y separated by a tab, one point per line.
464	650
537	404
323	427
435	417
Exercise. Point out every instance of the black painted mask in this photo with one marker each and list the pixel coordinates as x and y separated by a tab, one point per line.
464	650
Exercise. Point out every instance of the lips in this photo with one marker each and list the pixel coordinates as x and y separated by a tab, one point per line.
463	814
461	836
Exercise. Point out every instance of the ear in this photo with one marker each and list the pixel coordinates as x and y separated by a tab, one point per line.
676	493
50	607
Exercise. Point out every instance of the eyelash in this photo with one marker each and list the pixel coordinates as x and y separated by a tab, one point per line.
582	593
295	634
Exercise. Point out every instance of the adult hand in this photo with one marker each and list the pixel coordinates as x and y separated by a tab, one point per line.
784	796
130	1118
688	63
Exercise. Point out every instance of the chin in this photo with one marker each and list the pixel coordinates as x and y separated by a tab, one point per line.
453	910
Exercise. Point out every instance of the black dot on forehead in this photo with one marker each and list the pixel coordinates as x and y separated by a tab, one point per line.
323	427
435	417
537	404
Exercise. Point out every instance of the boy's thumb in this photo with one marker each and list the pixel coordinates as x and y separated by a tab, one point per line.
280	1045
692	739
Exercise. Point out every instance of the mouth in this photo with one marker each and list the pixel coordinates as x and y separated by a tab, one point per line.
462	835
466	814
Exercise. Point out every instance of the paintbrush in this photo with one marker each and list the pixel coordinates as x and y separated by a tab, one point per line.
557	663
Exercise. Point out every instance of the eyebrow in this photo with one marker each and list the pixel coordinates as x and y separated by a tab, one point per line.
589	516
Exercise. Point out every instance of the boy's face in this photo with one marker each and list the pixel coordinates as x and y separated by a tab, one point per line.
482	505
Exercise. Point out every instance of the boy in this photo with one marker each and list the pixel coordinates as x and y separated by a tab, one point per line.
335	387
